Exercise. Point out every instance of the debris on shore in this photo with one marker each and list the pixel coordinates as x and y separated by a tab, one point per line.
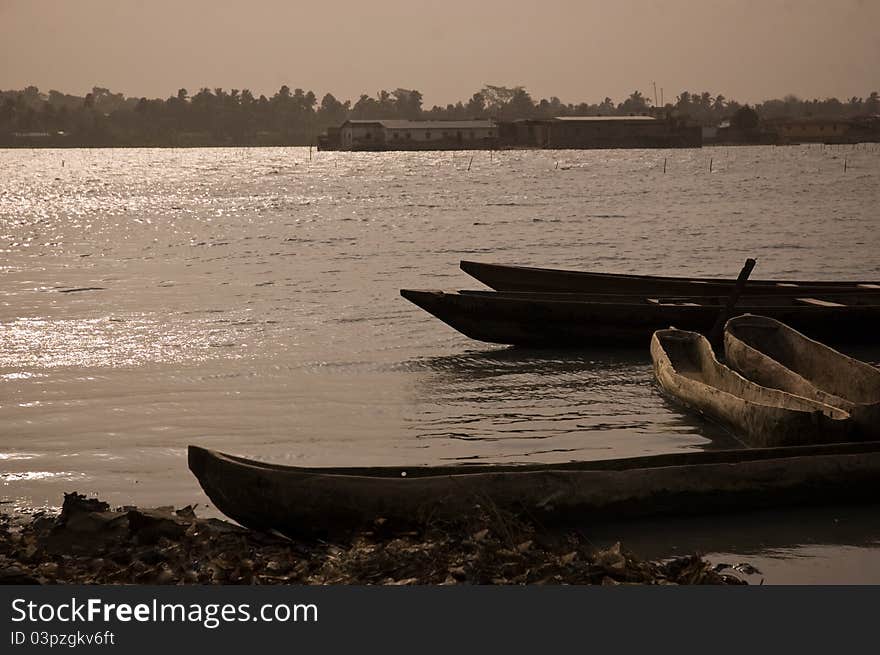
90	543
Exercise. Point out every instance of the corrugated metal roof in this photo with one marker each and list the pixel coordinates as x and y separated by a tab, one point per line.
437	125
426	125
604	118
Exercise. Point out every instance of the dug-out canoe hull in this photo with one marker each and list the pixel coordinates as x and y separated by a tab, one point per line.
777	356
496	318
525	278
303	501
686	368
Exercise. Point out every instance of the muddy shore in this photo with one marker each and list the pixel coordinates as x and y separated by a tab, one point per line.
90	543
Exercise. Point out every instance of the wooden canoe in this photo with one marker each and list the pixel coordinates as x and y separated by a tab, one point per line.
775	355
824	299
320	501
524	278
578	322
685	367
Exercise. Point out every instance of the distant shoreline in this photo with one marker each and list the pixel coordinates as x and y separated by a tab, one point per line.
306	145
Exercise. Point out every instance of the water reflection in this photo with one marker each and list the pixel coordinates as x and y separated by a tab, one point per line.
824	545
247	299
590	404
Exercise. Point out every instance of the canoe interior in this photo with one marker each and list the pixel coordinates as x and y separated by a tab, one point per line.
814	363
687	370
692	357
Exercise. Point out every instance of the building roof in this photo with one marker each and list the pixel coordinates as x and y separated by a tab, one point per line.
604	118
425	125
806	120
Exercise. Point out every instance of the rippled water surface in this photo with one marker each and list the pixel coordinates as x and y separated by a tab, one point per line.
247	300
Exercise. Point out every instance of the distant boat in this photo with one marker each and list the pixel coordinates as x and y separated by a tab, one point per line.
576	320
686	369
523	278
318	501
775	355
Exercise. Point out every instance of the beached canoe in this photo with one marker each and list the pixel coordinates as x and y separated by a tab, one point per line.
316	501
524	278
685	367
576	321
775	355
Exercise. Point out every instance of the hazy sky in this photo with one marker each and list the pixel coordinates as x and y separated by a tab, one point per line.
580	50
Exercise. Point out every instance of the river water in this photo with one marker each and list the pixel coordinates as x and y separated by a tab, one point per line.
247	300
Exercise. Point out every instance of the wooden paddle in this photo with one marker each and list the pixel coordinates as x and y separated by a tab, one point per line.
715	336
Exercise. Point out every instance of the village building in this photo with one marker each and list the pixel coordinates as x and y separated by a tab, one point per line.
586	132
811	130
575	132
709	133
412	135
727	134
35	139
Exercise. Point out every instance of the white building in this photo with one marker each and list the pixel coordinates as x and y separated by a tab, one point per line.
416	135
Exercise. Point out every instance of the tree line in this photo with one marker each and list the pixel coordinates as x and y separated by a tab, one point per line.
296	117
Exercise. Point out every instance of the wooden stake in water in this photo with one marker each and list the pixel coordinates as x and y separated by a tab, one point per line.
664	164
710	164
844	164
470	162
557	166
310	152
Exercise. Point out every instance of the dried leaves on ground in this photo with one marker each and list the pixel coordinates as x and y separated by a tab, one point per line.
90	543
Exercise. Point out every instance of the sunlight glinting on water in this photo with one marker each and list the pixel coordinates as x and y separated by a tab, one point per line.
247	300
